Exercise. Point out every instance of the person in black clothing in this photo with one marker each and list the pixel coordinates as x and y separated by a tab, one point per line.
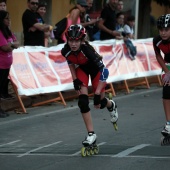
161	44
83	62
107	23
90	24
33	25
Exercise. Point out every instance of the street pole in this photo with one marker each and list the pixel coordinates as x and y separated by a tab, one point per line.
136	18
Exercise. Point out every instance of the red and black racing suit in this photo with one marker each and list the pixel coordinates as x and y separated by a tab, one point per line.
88	63
164	46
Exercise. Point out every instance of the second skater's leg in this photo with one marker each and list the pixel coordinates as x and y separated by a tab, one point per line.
166	104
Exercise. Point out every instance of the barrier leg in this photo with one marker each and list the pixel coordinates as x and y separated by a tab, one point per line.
19	98
147	83
58	99
126	86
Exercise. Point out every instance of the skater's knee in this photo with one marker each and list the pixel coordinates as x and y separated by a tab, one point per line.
103	103
83	103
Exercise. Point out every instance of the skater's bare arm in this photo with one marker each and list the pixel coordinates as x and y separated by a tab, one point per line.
73	71
105	29
76	82
161	62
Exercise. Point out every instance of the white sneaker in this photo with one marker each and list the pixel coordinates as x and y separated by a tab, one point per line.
113	112
90	139
166	130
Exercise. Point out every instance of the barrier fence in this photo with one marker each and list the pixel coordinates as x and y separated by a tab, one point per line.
40	70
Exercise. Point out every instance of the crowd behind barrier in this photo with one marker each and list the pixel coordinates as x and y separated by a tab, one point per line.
40	70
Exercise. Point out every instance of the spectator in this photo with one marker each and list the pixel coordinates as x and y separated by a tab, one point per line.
3	5
90	24
128	35
33	25
120	24
107	23
120	6
129	27
76	16
42	7
8	42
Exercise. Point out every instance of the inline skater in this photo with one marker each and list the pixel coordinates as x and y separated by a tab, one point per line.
162	43
83	62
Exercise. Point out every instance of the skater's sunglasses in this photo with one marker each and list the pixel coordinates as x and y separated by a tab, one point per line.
34	3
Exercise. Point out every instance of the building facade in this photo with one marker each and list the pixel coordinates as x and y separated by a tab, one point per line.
56	10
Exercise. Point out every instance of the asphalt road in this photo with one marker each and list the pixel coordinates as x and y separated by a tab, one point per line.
49	137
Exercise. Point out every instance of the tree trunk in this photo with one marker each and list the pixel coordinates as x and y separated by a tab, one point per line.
144	18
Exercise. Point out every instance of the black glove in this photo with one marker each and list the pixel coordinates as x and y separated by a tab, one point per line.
97	99
77	84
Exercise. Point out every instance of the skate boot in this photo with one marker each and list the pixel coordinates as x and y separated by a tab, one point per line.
166	130
113	114
90	147
165	140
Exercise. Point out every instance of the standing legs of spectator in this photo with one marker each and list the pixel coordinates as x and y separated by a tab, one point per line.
3	89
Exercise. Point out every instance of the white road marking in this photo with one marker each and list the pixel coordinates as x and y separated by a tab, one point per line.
130	150
39	148
10	143
77	153
99	155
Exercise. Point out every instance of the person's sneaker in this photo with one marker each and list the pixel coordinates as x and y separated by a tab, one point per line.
113	112
166	130
3	114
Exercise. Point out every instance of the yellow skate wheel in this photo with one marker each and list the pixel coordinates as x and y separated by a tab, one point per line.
87	152
91	151
115	126
110	96
83	152
96	150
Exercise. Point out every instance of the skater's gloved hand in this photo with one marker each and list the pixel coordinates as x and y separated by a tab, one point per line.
166	78
97	99
77	84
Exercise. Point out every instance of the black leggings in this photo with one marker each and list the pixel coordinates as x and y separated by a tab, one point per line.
166	92
4	81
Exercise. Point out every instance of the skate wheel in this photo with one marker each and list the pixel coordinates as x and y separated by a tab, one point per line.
83	152
96	150
91	151
88	152
115	126
165	141
110	96
162	141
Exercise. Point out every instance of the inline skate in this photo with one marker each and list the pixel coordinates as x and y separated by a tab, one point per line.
113	112
165	140
89	145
